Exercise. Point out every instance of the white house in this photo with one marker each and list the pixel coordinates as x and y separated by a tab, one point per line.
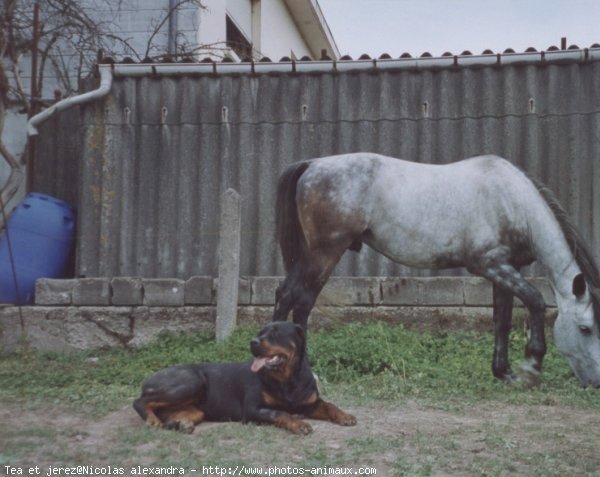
265	28
218	29
157	29
238	29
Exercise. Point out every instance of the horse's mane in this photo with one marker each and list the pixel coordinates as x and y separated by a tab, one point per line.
581	252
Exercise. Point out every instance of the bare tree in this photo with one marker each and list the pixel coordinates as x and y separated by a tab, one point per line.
10	45
61	37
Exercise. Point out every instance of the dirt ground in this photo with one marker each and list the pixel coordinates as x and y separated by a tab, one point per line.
389	440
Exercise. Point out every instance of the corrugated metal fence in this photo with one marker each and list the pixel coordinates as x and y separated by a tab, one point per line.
152	161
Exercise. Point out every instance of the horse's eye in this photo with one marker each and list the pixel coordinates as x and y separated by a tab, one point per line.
585	330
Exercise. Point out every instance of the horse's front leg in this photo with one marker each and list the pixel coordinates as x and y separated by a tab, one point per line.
505	277
503	303
535	350
536	342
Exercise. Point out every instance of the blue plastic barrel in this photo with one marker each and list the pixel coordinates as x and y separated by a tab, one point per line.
36	243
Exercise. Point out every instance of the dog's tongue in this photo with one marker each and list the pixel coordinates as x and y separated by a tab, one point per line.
257	364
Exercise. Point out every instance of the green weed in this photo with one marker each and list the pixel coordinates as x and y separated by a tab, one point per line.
377	366
362	361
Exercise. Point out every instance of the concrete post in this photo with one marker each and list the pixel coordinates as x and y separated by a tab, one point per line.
229	264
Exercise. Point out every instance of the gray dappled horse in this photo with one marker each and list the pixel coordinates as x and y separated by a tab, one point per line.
481	213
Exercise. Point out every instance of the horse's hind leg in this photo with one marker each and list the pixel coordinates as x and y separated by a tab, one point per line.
305	281
315	274
298	292
287	293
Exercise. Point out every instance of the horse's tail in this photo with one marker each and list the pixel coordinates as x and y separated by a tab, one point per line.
289	230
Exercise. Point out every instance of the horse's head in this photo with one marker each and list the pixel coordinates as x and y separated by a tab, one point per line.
576	331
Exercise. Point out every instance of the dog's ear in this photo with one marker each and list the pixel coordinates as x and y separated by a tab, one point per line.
301	334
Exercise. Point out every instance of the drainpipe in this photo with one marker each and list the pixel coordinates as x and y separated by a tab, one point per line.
172	35
103	90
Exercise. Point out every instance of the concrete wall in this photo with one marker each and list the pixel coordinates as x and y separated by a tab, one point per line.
339	291
160	150
73	315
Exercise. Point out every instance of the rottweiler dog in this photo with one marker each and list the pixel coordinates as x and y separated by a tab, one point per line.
275	388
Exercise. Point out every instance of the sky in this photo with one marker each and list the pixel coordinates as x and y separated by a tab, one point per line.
375	27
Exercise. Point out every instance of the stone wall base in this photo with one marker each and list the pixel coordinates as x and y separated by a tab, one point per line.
127	312
71	329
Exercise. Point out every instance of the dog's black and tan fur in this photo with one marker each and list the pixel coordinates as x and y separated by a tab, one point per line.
273	388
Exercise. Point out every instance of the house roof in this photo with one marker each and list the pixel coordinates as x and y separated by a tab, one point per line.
313	27
553	55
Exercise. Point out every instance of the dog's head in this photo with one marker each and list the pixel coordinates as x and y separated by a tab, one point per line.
277	349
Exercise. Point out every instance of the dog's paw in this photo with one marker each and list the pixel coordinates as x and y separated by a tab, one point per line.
344	419
153	421
185	427
300	427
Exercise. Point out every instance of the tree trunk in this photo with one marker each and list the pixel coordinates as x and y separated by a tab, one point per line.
16	176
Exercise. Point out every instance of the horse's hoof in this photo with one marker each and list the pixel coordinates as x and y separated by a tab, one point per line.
510	378
529	377
529	380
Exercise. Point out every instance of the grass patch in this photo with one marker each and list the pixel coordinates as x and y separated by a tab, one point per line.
360	362
382	371
383	362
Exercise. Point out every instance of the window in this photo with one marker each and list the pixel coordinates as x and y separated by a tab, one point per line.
237	41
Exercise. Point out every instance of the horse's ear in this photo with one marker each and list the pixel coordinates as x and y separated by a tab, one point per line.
579	285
